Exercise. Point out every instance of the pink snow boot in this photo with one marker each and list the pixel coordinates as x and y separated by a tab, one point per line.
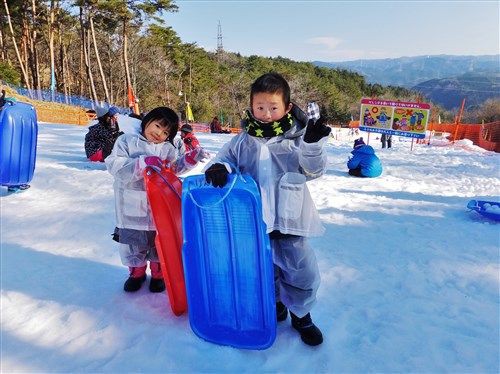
156	284
136	278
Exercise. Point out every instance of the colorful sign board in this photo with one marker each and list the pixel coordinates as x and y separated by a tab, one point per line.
394	117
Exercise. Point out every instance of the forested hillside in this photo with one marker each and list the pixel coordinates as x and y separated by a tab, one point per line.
105	49
99	49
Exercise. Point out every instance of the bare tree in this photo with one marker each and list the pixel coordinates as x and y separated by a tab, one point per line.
86	57
13	37
98	58
3	49
34	64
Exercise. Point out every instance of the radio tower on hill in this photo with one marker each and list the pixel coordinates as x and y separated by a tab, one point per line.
220	48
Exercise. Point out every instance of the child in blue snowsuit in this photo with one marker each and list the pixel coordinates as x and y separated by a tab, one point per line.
364	162
281	149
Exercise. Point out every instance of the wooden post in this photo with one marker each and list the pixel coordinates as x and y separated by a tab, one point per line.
430	134
411	148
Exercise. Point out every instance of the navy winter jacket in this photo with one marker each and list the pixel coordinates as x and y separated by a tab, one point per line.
365	157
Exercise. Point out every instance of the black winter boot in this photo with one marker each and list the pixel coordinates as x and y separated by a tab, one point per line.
156	285
309	333
281	311
136	278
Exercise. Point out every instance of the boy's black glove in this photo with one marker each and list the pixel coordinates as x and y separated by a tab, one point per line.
217	175
316	130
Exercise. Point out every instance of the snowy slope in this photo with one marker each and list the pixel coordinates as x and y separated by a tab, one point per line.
410	277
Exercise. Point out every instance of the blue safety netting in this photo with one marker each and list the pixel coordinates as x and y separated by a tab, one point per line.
57	97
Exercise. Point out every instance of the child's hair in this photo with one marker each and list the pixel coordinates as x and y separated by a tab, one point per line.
166	117
271	83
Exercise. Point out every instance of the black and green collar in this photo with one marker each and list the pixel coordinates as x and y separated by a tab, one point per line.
260	129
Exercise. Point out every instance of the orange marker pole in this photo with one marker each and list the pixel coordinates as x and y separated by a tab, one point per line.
459	117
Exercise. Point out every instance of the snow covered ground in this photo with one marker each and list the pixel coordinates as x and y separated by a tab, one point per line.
410	277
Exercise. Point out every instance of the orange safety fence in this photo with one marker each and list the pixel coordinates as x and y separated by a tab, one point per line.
486	136
205	127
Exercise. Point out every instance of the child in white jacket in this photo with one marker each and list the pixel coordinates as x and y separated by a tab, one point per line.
135	229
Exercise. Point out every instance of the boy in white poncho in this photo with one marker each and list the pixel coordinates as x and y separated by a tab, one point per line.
281	149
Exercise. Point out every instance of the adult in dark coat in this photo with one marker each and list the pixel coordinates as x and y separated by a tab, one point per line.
101	137
386	140
216	127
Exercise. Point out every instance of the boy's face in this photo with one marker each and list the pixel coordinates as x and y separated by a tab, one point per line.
155	132
269	107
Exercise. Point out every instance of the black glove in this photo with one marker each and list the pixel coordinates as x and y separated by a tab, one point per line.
115	134
316	131
187	140
216	175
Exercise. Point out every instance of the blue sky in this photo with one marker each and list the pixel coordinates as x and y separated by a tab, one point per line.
340	30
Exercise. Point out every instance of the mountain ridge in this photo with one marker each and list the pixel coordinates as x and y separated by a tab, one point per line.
409	71
444	79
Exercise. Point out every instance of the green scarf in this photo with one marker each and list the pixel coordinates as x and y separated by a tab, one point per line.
260	129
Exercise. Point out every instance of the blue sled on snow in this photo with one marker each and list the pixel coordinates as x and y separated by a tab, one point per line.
489	209
18	139
228	264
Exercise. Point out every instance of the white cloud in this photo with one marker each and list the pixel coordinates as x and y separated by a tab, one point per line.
326	48
329	42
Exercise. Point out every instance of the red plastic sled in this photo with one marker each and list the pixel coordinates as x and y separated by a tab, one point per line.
164	192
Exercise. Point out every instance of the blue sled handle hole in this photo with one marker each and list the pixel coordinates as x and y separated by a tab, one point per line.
208	206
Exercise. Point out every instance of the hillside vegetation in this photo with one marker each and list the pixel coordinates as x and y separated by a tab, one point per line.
106	49
151	59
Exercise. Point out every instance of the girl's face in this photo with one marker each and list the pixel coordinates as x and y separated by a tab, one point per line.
155	132
269	107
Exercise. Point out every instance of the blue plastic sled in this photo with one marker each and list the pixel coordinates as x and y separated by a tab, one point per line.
18	138
489	209
228	264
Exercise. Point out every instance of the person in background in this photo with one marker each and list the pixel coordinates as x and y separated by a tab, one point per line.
386	139
136	116
179	145
101	137
135	229
281	148
188	137
216	127
364	162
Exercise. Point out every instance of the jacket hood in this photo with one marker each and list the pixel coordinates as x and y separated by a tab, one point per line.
300	122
